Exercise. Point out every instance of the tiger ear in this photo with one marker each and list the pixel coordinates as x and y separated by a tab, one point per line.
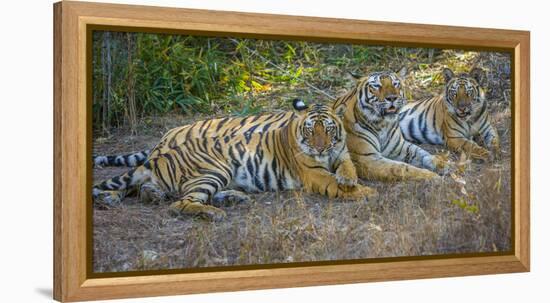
403	72
478	74
299	104
448	74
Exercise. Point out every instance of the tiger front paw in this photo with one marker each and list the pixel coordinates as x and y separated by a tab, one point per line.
424	174
360	191
150	193
213	213
346	176
229	198
184	207
481	154
345	183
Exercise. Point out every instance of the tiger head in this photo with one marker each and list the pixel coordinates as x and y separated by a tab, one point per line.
463	93
381	95
320	132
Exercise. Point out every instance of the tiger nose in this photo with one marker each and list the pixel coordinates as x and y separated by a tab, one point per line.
320	143
319	137
391	98
463	108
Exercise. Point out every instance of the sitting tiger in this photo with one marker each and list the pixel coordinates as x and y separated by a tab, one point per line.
374	139
454	118
209	161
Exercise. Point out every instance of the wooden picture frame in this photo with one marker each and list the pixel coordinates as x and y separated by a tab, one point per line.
72	21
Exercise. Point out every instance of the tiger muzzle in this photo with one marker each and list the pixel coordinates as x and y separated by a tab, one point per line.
463	112
392	109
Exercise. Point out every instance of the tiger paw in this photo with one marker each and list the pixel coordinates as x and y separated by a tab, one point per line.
184	207
481	154
108	197
425	174
229	197
346	176
150	193
345	183
212	213
360	192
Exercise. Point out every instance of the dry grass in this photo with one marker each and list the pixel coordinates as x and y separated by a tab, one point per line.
408	219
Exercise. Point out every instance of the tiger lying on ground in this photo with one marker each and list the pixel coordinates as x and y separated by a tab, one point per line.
374	139
203	128
454	118
209	160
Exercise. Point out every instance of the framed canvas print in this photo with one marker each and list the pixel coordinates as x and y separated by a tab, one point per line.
202	151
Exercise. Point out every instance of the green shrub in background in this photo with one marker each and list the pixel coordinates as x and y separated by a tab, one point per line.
136	75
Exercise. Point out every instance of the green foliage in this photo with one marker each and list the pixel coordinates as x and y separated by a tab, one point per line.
193	74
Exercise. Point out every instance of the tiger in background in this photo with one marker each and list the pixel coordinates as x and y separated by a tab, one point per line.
216	160
375	142
454	118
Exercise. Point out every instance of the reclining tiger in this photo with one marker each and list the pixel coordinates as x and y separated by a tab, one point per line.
215	160
375	142
454	118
